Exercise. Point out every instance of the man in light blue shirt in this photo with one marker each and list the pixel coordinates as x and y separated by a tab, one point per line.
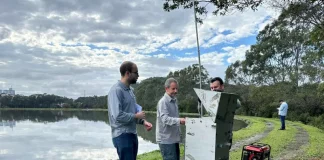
282	111
124	113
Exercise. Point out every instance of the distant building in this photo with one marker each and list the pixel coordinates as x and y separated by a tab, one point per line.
8	92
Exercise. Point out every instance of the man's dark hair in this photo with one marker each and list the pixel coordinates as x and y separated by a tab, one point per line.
281	100
217	79
126	66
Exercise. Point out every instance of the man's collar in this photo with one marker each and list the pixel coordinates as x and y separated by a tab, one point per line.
122	85
169	98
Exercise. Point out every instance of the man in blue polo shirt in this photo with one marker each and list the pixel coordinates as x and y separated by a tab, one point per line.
123	113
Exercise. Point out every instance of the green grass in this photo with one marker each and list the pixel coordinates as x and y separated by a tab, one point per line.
256	125
277	139
315	149
156	155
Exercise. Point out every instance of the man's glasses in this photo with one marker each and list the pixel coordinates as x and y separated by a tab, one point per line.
134	73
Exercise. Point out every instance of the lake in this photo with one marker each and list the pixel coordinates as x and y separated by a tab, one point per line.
66	135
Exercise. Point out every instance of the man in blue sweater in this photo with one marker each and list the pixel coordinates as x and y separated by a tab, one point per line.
282	111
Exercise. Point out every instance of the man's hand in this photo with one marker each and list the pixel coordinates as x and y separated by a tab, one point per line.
140	115
148	125
182	121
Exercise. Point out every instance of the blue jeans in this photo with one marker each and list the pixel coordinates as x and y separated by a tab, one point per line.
282	119
170	151
126	145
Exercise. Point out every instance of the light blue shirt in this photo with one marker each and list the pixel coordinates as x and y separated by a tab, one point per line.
122	109
283	109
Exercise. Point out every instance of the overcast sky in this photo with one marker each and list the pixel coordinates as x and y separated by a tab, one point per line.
64	47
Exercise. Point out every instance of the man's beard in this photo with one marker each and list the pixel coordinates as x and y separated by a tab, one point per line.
132	81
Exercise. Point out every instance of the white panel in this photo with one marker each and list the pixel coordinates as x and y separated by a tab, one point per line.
210	100
200	139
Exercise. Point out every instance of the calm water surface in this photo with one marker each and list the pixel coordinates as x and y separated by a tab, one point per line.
65	135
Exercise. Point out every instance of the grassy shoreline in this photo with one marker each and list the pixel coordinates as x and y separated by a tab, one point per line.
253	127
278	140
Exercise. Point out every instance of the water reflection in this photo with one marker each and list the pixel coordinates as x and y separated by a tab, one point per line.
8	123
58	135
66	135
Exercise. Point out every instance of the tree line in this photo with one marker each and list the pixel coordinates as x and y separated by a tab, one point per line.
52	101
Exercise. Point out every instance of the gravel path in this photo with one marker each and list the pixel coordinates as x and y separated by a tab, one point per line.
295	148
255	138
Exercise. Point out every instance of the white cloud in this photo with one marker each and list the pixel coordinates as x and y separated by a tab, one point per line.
239	25
213	58
237	53
162	55
4	151
66	47
189	53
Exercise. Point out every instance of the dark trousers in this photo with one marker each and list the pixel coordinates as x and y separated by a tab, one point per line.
127	146
170	151
282	119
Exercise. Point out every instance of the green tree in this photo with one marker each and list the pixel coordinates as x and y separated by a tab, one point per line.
188	78
308	13
284	52
287	62
150	90
221	6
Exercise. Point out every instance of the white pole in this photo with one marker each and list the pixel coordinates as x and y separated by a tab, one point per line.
201	109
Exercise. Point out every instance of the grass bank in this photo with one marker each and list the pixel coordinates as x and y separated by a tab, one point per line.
255	126
156	155
277	139
315	149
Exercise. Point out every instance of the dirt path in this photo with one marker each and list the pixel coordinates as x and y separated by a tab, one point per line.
294	149
255	138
